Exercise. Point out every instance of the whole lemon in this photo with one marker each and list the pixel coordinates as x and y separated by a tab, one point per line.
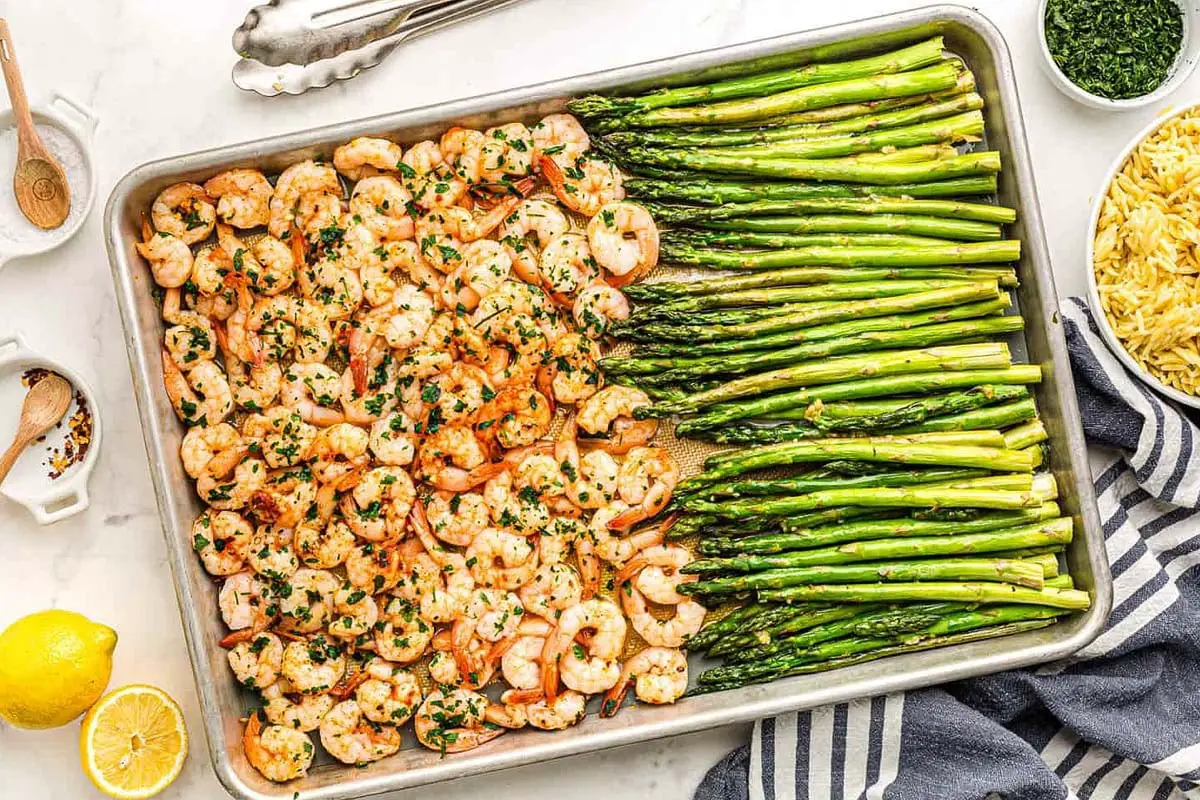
53	666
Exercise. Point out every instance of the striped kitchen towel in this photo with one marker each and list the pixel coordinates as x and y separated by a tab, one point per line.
1121	719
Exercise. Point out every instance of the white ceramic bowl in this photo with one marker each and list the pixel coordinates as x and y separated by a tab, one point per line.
1185	62
1106	331
79	123
48	499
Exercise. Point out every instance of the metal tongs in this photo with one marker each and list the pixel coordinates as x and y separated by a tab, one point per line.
291	46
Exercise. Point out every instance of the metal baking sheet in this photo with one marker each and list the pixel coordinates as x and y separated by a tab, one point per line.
223	702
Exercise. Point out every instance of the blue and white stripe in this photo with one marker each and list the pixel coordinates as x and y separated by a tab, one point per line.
1118	721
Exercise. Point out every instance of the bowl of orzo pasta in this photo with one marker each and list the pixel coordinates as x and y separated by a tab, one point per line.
1144	251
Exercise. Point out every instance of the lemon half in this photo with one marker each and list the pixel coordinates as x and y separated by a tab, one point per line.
133	742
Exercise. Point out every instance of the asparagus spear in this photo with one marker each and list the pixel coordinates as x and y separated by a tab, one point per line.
876	385
994	252
802	537
922	228
728	624
936	78
869	415
877	306
995	417
948	332
651	354
673	137
1027	435
869	622
702	190
966	626
809	617
950	209
954	358
849	169
704	238
932	590
813	482
671	291
965	127
846	462
909	58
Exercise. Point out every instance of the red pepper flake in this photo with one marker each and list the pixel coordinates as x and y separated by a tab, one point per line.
79	429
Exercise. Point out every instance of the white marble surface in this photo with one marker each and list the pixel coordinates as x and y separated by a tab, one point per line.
157	74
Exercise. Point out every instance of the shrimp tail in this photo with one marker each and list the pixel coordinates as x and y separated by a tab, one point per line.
235	638
147	230
524	696
250	736
615	696
631	568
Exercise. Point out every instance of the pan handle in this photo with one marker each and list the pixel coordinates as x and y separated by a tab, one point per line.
12	345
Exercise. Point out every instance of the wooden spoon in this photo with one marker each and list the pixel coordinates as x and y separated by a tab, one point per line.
44	406
39	183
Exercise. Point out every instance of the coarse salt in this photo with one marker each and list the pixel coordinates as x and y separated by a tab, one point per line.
17	232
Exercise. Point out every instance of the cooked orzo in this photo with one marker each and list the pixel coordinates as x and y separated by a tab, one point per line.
1147	253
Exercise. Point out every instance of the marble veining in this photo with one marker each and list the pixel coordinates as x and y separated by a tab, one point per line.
157	75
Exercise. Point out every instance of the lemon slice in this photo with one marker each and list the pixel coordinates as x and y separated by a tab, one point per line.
133	742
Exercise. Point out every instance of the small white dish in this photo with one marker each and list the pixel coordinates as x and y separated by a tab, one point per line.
49	499
64	123
1185	63
1106	331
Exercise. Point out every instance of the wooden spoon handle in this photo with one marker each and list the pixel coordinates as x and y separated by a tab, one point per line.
11	455
26	134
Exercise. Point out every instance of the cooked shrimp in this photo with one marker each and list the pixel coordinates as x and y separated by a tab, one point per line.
408	317
393	439
610	412
521	654
655	572
552	589
313	666
453	459
352	739
279	754
561	137
337	451
255	388
200	397
592	478
191	340
523	345
243	197
615	549
571	373
586	185
401	635
486	264
270	553
379	396
298	180
211	449
646	480
501	559
313	391
272	324
377	508
685	623
185	211
513	509
244	606
323	546
278	263
506	152
286	497
589	669
318	214
314	336
308	604
459	393
511	299
660	676
541	473
367	156
239	338
332	287
209	268
597	307
376	567
230	493
624	240
566	709
256	663
284	705
354	613
567	265
456	518
220	538
527	230
280	435
378	268
382	204
170	258
390	694
454	722
427	176
442	232
516	416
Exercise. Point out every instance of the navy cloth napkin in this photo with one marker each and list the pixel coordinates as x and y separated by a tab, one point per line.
1120	719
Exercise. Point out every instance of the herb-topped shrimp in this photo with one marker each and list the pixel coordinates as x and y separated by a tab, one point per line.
298	180
624	240
280	754
506	152
185	211
170	258
597	307
527	230
560	137
367	156
383	205
586	185
659	675
243	197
